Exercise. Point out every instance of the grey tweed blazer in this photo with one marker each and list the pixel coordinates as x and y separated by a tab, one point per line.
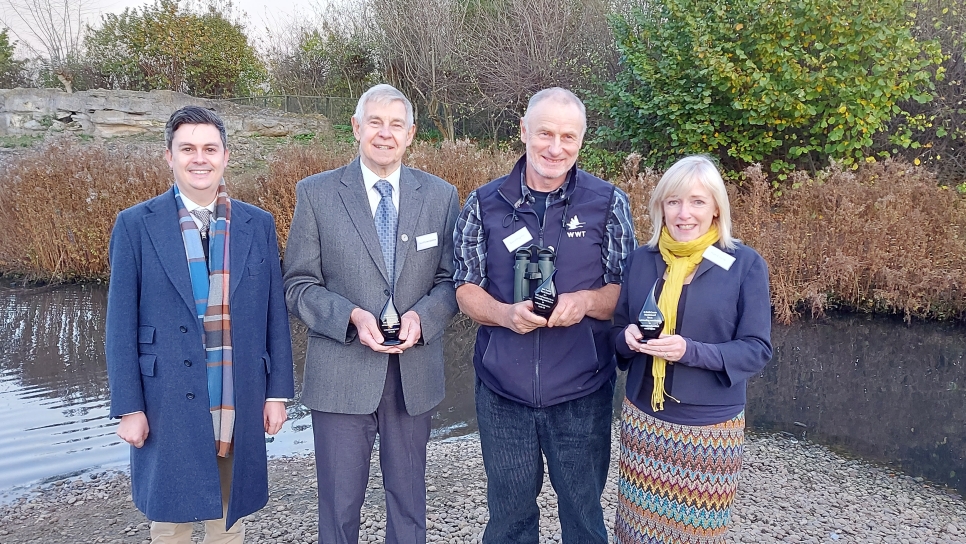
333	263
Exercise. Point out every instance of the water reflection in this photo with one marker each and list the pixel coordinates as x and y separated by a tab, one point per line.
53	384
874	387
55	399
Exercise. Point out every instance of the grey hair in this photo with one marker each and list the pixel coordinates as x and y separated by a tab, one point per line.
559	95
680	176
193	115
383	94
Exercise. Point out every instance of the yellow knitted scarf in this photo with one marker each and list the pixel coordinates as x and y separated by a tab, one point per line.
681	259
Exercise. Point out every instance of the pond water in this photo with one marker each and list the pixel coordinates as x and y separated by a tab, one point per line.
875	388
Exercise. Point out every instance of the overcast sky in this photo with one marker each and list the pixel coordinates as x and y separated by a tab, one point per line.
260	13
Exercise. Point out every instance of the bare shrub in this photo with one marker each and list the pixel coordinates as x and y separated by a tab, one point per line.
53	30
518	47
422	45
328	52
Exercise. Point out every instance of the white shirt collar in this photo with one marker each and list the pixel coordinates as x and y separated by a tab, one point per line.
369	179
191	205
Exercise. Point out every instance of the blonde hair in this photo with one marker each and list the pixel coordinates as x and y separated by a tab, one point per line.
680	176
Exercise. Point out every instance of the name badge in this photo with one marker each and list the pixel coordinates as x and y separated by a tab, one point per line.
719	257
514	241
426	241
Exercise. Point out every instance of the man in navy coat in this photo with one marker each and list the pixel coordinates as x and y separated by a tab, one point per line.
199	352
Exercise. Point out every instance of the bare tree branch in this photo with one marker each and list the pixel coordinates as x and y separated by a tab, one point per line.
54	30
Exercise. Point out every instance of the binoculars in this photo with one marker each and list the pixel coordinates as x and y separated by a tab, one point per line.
531	266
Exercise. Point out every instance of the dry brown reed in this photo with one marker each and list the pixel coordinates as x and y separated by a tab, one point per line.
58	204
461	163
884	238
275	191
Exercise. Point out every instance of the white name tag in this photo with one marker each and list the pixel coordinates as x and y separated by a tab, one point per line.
426	241
517	239
719	257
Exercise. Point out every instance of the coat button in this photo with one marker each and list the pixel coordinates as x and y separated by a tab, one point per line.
405	237
386	292
187	362
184	329
189	396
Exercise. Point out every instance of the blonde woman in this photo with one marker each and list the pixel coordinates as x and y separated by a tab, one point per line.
682	426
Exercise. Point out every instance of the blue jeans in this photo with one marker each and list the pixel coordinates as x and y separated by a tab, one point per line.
575	438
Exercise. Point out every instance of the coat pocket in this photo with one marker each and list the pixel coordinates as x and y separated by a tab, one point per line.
147	362
256	269
145	335
509	359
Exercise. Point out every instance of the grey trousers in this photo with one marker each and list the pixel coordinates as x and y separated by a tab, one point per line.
343	448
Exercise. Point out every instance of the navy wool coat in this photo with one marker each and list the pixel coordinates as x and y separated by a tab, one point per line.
727	317
156	361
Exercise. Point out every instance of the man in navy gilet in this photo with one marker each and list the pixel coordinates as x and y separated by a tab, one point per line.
544	386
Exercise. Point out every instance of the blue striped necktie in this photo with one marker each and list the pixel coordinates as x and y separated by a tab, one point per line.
386	226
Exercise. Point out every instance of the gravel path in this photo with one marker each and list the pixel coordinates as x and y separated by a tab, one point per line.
790	491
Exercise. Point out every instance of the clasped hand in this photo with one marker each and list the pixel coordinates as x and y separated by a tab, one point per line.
670	347
370	335
570	309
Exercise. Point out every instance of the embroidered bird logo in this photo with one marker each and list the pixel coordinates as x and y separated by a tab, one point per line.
574	223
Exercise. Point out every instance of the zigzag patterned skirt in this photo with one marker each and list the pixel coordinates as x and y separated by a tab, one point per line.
677	482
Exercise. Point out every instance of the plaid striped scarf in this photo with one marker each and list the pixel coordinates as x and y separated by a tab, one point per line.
210	290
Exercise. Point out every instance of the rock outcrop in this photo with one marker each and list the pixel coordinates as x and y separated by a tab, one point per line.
107	113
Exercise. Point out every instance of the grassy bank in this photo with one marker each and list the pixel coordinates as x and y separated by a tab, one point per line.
883	238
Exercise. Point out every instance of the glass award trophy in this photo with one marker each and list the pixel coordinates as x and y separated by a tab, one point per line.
389	324
545	297
650	321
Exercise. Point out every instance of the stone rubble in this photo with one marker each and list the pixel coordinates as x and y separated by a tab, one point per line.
790	491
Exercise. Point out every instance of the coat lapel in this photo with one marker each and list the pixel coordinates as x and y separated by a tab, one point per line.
240	244
353	193
410	206
659	265
703	267
165	234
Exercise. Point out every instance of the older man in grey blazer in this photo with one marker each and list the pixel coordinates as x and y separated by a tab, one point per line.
361	233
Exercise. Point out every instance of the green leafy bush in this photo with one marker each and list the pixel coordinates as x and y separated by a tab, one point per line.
789	84
322	61
169	46
943	144
601	162
11	70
